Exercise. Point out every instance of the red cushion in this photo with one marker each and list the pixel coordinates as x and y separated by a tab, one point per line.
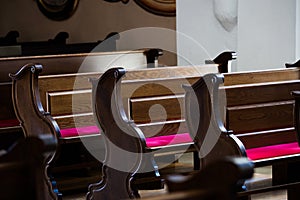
168	140
80	131
273	151
9	123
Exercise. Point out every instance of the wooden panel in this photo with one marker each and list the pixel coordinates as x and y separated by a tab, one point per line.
155	109
153	87
72	102
260	93
261	76
66	82
171	71
6	105
81	80
165	128
270	137
56	90
245	119
66	63
71	121
52	64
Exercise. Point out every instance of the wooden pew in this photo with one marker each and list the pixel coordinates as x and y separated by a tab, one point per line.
67	97
61	64
130	134
58	91
259	111
22	169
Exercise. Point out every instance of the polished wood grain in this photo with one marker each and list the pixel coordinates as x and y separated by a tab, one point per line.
68	97
259	76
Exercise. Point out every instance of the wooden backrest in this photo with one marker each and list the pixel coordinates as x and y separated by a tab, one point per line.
158	90
22	169
80	62
60	64
260	105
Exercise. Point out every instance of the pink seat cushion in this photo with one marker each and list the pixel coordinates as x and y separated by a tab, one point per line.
168	140
9	123
273	151
151	142
79	131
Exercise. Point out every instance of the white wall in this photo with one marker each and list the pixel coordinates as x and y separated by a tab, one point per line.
200	36
265	36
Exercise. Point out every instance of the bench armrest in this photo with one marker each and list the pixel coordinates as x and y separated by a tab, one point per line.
223	60
204	121
296	64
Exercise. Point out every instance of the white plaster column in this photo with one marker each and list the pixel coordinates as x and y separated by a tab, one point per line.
205	28
266	34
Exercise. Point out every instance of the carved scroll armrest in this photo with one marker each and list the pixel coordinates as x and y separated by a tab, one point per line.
27	102
296	64
125	145
152	57
204	121
223	60
202	106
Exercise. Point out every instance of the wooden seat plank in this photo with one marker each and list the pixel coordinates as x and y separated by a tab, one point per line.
260	92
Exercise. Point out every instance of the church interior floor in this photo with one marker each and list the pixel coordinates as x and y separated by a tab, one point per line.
262	177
